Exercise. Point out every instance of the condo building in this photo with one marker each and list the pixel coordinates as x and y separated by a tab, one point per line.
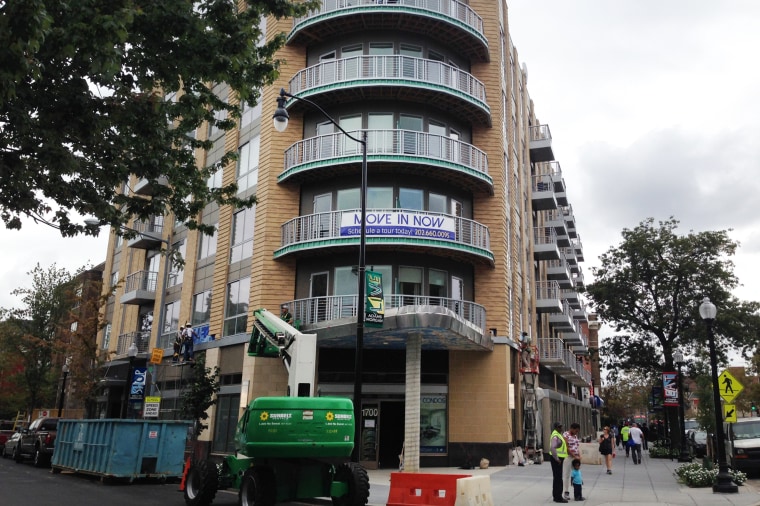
468	224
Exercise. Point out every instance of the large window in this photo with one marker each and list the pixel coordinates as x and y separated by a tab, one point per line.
236	307
410	283
207	245
410	198
227	410
248	164
171	320
201	308
177	272
242	234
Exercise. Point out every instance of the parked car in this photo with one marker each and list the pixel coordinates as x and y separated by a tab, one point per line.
38	441
6	431
10	449
698	441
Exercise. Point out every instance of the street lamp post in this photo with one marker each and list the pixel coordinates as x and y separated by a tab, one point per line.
132	353
685	455
280	119
65	370
708	312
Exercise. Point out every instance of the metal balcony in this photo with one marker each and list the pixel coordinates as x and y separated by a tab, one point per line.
541	144
559	271
578	281
451	23
571	296
580	314
555	356
542	194
574	335
422	154
571	259
563	320
149	234
141	340
578	248
147	187
555	219
388	229
444	323
545	244
548	297
392	77
140	288
567	212
555	172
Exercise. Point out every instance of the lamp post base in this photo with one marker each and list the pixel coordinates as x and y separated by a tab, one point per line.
724	484
684	457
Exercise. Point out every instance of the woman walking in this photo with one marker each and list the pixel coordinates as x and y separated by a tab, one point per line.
606	448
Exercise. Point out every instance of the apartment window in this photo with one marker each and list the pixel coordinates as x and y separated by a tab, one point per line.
215	179
207	245
214	130
177	272
409	198
114	279
171	318
73	327
250	113
236	307
201	308
106	336
437	203
248	164
380	198
225	423
242	234
410	283
349	199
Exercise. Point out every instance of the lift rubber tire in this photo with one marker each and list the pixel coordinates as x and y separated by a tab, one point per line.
358	485
201	484
258	487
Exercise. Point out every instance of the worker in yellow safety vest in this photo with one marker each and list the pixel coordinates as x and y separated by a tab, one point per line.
624	434
558	453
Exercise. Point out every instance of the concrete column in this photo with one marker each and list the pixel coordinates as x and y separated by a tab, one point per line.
412	403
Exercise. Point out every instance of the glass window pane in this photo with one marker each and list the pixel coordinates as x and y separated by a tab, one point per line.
437	203
380	198
409	198
346	282
410	274
349	199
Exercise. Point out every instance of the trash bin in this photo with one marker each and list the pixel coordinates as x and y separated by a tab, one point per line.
115	448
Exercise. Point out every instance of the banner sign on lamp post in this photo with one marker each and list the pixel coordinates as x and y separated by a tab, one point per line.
670	389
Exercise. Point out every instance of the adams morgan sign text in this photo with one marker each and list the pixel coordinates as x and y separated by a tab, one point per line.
399	223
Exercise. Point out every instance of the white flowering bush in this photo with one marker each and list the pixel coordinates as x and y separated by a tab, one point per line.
695	475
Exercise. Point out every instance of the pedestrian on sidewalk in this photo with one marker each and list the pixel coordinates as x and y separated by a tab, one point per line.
624	436
558	454
636	437
573	452
607	448
577	478
645	441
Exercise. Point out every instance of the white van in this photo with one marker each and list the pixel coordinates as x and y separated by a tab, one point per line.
743	445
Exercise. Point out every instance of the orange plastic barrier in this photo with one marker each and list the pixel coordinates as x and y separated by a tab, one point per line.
184	475
421	488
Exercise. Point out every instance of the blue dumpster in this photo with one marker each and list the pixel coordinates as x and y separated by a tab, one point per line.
115	448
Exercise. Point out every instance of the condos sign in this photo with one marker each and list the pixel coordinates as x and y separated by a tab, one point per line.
399	223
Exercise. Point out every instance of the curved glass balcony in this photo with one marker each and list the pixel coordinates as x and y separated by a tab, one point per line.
452	23
444	323
406	151
417	231
395	77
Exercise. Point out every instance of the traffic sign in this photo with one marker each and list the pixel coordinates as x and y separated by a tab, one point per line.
156	355
729	413
729	386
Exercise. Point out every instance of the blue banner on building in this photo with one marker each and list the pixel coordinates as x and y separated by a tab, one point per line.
137	388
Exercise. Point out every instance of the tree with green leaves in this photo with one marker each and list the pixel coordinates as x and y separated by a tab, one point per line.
649	289
33	333
94	91
201	394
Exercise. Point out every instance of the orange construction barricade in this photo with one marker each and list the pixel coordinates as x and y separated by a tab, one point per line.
423	489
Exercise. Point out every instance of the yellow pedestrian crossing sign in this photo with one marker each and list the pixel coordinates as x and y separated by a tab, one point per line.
729	413
729	386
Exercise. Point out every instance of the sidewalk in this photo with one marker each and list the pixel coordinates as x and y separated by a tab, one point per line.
651	483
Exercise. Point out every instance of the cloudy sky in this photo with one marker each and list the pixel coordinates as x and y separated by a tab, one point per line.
654	111
653	107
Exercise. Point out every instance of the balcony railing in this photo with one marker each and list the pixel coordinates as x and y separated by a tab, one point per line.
322	309
384	225
149	233
379	14
541	144
389	145
377	70
555	356
141	280
141	340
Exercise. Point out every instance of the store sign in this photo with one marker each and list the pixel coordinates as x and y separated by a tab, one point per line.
374	304
433	417
139	377
399	224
